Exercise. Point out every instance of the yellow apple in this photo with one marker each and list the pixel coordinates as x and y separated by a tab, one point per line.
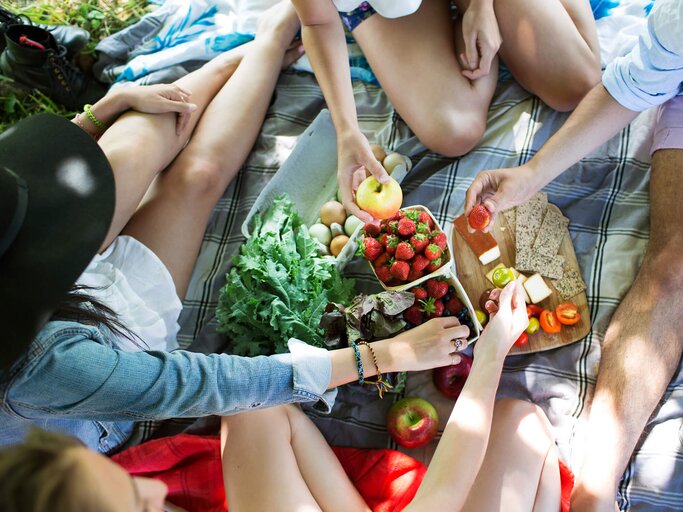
382	201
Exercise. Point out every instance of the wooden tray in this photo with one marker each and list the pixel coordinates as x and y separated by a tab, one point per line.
472	275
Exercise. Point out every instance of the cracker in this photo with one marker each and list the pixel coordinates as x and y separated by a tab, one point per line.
551	233
529	220
570	284
529	261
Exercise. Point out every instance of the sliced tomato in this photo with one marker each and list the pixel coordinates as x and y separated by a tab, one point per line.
568	313
533	310
522	340
549	322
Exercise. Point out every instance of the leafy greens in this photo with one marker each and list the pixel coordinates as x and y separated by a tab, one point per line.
279	286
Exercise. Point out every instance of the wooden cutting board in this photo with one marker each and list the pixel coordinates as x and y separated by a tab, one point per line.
472	275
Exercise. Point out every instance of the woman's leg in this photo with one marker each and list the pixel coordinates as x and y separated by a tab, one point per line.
550	47
520	469
276	459
139	146
172	218
414	58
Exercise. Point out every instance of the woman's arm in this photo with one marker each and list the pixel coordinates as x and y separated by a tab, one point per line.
80	378
325	43
462	447
149	99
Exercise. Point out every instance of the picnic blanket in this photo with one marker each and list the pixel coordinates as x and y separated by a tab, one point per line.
606	198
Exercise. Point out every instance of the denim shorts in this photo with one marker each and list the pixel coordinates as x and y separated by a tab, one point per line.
354	18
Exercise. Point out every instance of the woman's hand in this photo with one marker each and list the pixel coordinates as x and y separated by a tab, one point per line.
482	39
501	189
160	99
426	346
355	160
505	326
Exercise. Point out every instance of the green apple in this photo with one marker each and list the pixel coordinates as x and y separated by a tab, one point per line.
382	201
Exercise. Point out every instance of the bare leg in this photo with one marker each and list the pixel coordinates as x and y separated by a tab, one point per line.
276	459
172	218
414	58
520	470
550	47
139	146
646	327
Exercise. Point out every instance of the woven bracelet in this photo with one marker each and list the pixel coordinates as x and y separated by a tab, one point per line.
359	363
380	382
88	112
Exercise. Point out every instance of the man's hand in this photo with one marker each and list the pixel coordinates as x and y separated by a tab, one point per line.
482	40
501	189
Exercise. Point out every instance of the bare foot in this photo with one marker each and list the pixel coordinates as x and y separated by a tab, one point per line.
280	23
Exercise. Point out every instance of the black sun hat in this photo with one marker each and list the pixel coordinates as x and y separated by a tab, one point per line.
56	204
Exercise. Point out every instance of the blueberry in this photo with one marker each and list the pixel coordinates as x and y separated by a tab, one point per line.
446	312
451	290
447	297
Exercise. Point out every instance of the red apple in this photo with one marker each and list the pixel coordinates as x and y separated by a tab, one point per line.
382	201
412	422
451	379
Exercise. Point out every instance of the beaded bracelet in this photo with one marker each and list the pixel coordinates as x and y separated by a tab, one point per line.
359	363
380	382
93	119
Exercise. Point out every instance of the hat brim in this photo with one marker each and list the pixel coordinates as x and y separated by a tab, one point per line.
71	196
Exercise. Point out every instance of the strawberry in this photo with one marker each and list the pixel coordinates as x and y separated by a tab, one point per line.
437	288
383	273
419	242
372	229
423	228
392	227
415	274
420	262
454	305
370	248
426	219
391	244
479	217
404	251
433	252
413	215
439	238
398	216
432	307
420	293
381	260
400	270
413	315
406	227
434	265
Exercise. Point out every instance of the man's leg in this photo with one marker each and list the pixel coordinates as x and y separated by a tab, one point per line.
647	326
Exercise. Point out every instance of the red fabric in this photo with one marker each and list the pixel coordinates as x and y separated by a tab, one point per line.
567	485
191	468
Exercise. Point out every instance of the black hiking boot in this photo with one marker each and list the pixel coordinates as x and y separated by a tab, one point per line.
33	59
72	38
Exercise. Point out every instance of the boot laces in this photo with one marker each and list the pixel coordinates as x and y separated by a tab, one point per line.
66	71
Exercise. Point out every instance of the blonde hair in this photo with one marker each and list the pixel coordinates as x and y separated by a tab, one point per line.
45	474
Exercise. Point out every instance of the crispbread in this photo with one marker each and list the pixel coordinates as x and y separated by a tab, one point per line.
551	232
528	220
570	284
529	261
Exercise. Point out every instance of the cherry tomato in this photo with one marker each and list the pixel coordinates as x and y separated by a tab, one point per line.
533	310
484	297
502	276
534	325
481	317
568	313
549	322
522	340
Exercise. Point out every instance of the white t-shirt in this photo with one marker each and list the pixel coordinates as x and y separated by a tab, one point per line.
386	8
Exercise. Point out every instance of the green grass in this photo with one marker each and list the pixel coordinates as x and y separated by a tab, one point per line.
99	17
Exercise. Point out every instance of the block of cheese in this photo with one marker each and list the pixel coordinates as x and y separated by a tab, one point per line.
482	244
537	289
523	279
489	274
